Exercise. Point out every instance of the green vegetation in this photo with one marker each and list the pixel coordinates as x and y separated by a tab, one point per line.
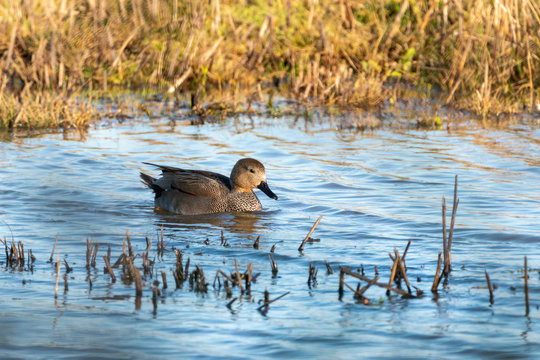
484	55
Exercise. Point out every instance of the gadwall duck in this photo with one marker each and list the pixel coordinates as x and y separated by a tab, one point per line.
192	192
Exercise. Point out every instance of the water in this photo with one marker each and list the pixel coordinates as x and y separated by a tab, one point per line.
375	189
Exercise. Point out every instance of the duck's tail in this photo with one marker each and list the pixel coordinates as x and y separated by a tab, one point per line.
149	181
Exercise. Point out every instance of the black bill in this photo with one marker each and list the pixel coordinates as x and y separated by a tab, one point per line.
263	186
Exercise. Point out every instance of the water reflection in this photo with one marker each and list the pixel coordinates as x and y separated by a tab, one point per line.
231	223
375	188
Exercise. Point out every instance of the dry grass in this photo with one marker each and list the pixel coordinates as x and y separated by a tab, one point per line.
484	54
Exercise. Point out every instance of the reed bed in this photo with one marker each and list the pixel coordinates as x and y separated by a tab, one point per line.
61	55
137	269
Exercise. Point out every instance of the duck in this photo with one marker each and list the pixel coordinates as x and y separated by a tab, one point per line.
195	192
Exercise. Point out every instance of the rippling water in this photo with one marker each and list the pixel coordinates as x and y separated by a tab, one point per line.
375	189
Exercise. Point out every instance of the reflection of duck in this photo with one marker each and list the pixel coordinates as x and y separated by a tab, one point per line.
192	192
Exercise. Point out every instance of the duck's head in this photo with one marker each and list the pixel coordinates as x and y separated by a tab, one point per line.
248	174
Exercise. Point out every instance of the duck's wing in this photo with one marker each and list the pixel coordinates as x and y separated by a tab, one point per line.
193	182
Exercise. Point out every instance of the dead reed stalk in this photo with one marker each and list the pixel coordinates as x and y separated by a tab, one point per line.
490	288
57	277
387	287
447	243
137	276
273	264
54	247
301	247
238	277
526	288
312	277
328	268
437	278
267	300
130	248
164	279
109	269
402	269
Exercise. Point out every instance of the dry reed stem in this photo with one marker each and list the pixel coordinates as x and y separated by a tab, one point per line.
155	294
249	275
164	279
437	278
526	288
21	254
138	281
273	263
402	269
219	272
490	288
58	265
406	250
328	268
119	261
88	252
186	269
54	247
130	248
368	285
341	282
445	243
148	246
68	268
162	243
355	291
364	278
301	247
267	300
96	247
109	269
393	272
238	277
448	267
66	287
312	277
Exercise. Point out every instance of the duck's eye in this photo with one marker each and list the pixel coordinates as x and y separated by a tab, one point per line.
252	171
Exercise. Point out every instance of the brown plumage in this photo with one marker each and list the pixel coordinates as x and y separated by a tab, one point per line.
191	192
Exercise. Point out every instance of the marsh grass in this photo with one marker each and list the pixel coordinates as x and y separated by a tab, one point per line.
484	55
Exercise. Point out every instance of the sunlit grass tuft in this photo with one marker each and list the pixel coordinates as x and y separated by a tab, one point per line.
484	55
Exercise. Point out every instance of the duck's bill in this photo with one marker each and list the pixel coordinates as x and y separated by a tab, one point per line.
263	186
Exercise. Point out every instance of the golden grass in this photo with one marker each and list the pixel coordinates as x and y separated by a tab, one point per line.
484	55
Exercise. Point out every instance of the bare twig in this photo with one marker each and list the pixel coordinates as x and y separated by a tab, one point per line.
444	241
109	269
268	302
58	265
130	248
54	247
490	288
402	269
406	249
526	289
437	278
301	247
364	278
328	268
448	265
164	278
138	281
238	277
273	263
393	272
